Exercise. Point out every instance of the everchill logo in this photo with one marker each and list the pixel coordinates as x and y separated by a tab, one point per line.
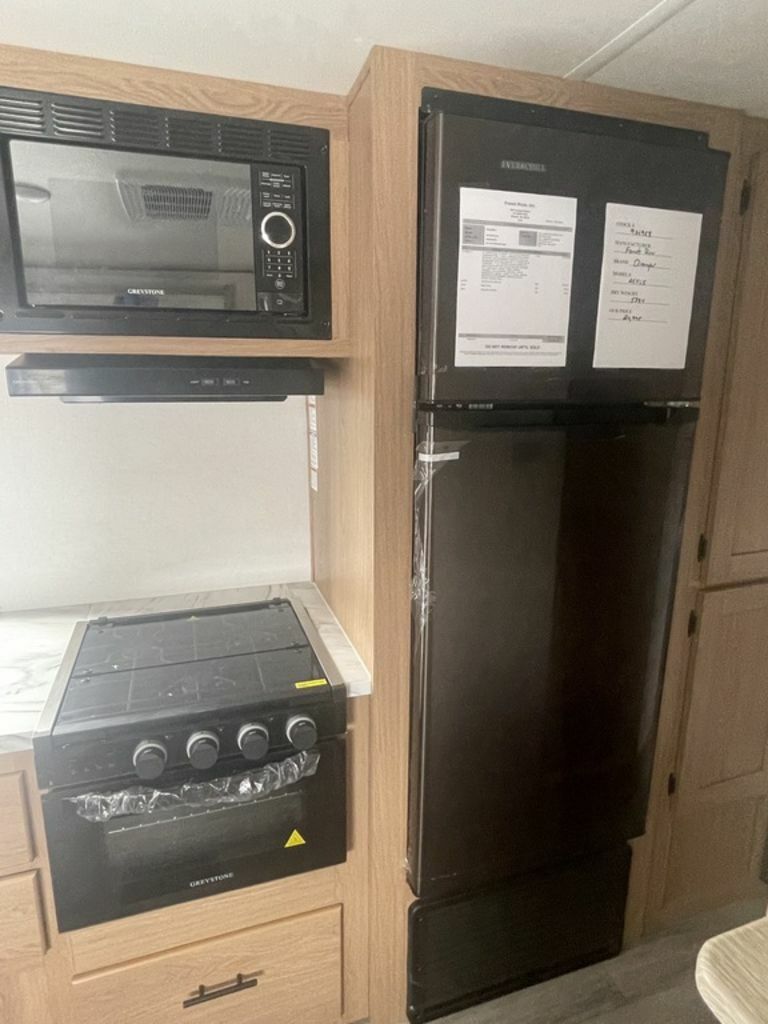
523	165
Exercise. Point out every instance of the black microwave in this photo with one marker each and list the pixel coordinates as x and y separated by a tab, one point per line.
132	220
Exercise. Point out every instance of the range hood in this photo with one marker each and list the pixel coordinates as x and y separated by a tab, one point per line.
75	378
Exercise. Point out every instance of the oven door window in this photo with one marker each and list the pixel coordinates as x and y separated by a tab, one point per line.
102	228
132	863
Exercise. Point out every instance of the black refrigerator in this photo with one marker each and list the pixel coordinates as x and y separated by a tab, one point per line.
566	270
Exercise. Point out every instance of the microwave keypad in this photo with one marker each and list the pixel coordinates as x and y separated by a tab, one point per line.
281	267
276	191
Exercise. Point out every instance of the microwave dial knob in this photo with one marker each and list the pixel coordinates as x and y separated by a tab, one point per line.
149	759
301	732
278	229
203	749
253	740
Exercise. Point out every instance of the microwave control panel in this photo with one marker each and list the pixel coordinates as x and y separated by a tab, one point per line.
278	204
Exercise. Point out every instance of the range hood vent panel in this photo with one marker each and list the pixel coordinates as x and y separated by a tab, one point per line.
74	378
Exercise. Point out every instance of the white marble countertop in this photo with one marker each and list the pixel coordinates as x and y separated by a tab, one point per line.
732	974
32	645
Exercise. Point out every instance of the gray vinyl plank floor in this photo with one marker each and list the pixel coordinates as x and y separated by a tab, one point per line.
652	983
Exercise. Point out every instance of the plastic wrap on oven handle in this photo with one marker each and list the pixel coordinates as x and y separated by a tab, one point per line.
243	788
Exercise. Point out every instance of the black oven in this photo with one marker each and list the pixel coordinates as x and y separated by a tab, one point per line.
122	219
123	848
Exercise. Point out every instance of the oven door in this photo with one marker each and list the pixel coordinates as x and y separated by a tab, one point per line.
182	842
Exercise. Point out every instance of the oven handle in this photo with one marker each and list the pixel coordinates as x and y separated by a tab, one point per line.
226	988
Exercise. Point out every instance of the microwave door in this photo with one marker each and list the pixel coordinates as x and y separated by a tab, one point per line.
545	558
102	227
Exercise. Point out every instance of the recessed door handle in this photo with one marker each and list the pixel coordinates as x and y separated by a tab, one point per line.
205	993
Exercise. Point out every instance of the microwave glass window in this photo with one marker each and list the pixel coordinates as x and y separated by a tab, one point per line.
101	227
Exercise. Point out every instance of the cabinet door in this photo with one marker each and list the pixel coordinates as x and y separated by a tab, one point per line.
739	542
23	981
720	813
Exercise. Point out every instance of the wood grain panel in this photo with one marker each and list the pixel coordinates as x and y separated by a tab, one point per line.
23	942
739	532
16	848
39	994
22	67
719	815
296	964
343	507
394	213
715	855
25	998
726	738
14	344
25	68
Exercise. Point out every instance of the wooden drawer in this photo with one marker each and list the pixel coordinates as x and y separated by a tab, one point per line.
15	838
23	937
292	968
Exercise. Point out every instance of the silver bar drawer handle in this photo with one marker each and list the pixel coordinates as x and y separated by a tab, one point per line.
205	994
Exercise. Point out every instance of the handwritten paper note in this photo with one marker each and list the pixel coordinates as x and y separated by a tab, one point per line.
514	283
646	287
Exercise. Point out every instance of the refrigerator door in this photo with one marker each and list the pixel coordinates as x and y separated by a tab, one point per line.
545	554
585	163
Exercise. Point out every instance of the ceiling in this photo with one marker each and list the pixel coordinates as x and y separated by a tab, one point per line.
708	50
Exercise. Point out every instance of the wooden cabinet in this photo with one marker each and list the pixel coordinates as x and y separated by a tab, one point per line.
720	814
739	529
281	973
23	982
23	941
24	995
16	849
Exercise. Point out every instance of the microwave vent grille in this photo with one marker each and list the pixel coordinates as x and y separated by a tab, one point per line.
242	142
144	128
22	116
78	121
288	145
196	136
151	129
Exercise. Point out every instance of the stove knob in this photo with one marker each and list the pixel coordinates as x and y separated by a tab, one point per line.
149	759
203	749
253	740
301	732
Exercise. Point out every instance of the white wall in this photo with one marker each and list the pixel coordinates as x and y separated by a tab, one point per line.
119	501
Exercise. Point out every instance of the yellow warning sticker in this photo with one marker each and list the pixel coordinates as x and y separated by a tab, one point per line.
294	839
305	684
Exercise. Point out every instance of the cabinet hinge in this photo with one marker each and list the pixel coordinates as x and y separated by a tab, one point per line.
671	784
746	195
701	550
693	623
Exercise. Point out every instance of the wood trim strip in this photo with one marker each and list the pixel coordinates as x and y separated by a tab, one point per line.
23	67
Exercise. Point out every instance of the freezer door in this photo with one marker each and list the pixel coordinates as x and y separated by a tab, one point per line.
583	170
544	564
